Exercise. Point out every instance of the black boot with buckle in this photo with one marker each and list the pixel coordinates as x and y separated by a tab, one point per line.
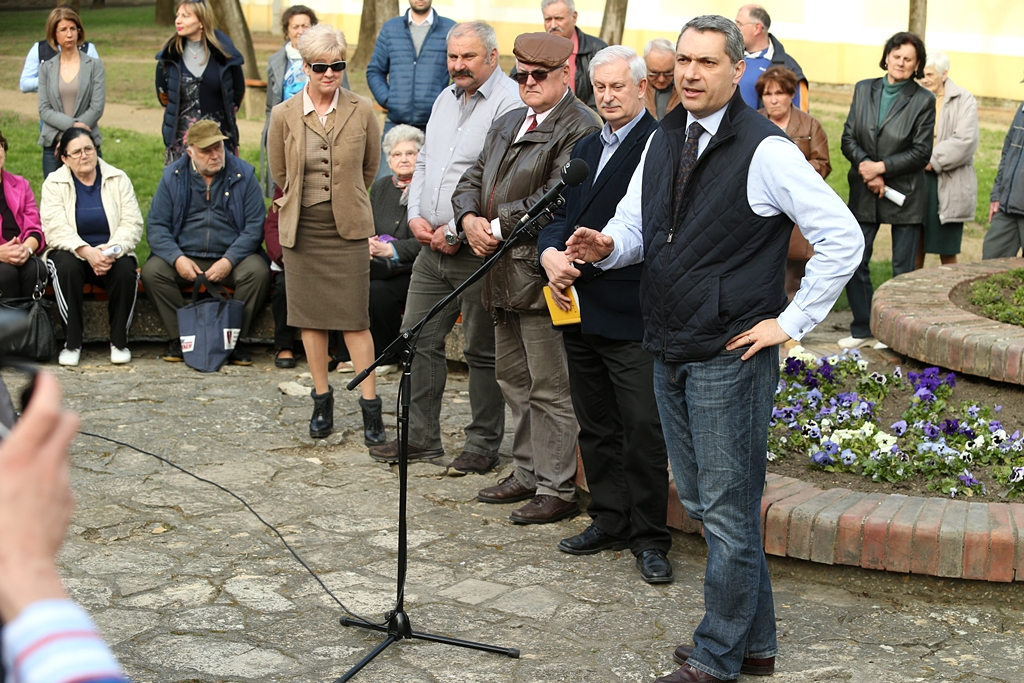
373	422
322	423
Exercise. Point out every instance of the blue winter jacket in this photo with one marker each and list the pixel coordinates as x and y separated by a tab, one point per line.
401	82
232	86
243	202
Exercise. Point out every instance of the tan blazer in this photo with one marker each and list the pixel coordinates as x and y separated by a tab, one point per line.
355	156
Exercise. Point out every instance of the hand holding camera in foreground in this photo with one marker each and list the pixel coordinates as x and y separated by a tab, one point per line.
46	636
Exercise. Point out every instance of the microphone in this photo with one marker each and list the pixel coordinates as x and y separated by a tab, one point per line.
573	173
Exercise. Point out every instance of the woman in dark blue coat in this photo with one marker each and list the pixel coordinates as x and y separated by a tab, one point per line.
198	76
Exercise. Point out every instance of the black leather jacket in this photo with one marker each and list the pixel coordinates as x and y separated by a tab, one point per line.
903	142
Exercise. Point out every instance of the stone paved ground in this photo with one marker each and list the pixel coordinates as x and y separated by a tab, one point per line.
188	586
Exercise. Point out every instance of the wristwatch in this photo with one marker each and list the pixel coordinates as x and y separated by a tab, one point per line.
452	238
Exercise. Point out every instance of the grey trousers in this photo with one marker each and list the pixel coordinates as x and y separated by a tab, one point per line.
434	276
250	279
1005	236
534	377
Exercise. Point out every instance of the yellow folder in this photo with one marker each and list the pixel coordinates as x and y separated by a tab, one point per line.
560	317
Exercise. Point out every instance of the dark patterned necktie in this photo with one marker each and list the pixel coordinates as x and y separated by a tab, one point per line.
686	164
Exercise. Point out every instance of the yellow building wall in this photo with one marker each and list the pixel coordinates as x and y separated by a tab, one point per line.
835	41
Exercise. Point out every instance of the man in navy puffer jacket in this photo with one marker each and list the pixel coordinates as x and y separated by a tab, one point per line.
409	67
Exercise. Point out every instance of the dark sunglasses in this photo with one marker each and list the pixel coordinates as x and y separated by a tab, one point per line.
320	67
539	75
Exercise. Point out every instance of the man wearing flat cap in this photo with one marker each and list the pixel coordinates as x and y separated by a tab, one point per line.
206	218
521	160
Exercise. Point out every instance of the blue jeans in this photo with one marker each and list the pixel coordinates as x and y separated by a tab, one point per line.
715	417
859	290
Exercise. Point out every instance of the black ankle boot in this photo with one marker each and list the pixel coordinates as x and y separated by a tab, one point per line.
322	423
373	422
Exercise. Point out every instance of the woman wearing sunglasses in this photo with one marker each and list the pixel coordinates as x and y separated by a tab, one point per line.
324	149
198	76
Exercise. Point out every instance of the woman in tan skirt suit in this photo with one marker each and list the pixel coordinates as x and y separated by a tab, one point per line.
324	148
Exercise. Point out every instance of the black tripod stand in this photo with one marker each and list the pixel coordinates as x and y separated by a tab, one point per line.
398	626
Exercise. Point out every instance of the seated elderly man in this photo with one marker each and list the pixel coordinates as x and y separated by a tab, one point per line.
206	218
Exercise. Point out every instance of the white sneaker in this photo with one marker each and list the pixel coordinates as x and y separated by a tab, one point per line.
69	357
120	356
856	342
880	345
385	369
346	366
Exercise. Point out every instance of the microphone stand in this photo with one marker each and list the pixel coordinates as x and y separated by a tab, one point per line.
398	625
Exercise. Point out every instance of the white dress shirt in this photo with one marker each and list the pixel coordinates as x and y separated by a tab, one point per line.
779	180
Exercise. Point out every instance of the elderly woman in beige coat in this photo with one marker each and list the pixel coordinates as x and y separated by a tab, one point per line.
949	176
324	149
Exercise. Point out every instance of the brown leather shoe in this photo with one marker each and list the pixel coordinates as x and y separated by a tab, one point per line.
687	674
750	666
544	509
508	490
474	463
389	452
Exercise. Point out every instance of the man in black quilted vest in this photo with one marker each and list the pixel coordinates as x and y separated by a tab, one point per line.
708	211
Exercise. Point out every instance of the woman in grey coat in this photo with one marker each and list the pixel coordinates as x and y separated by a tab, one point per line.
949	175
285	76
72	87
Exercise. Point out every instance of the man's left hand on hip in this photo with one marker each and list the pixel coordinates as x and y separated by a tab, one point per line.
765	333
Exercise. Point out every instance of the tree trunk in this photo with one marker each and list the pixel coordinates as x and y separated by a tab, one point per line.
918	17
375	13
164	13
99	4
229	18
614	22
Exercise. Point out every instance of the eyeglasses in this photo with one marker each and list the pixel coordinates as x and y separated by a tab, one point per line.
398	154
79	153
660	74
540	75
320	67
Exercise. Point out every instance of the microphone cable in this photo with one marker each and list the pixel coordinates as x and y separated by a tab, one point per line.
248	507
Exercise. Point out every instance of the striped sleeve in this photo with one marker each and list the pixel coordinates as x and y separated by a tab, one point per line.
54	641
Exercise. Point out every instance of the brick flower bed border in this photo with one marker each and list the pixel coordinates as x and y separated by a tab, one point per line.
914	315
897	533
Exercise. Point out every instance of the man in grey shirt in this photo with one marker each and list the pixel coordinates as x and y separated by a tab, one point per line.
458	125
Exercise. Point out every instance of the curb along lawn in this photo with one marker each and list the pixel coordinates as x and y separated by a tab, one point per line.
912	429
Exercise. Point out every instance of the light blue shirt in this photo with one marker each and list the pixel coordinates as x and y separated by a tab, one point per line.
455	138
610	140
30	73
53	641
779	180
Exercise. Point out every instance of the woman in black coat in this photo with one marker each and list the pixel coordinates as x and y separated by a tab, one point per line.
198	76
888	141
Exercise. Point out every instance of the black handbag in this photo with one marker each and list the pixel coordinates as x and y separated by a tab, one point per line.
382	268
39	340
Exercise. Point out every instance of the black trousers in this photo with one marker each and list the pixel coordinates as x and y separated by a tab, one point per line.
20	281
284	336
623	449
70	274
